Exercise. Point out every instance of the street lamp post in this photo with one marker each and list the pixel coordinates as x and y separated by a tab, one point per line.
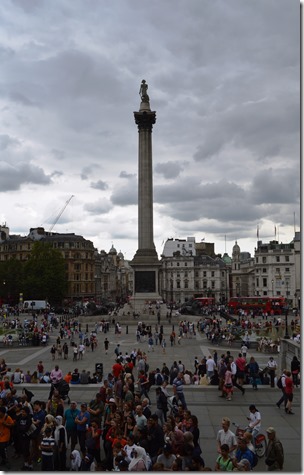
286	323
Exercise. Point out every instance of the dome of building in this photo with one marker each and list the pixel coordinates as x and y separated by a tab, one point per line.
227	259
112	250
236	248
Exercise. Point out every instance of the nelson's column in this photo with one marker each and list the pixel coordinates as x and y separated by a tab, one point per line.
145	263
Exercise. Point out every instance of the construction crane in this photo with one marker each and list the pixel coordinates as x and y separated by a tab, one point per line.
59	214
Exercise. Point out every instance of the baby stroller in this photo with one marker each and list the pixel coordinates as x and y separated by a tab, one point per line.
172	405
63	387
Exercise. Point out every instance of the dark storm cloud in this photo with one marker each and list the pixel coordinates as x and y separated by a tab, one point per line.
276	186
169	170
125	195
13	177
223	78
99	185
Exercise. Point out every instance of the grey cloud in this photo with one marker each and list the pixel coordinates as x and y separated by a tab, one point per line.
86	171
7	141
58	154
124	174
98	207
170	170
20	98
99	185
12	177
125	195
276	186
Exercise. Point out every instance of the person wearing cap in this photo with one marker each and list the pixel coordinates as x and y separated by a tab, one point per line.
274	455
242	453
82	420
271	367
70	424
167	457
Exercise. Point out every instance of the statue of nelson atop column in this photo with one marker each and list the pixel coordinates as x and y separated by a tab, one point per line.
143	91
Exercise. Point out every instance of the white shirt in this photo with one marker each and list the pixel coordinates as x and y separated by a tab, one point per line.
210	364
254	417
271	364
228	438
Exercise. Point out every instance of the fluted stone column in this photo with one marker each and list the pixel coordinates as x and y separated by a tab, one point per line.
145	262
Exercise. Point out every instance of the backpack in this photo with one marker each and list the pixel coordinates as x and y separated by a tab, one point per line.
279	383
159	379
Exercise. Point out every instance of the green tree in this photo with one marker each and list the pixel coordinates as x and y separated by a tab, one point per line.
11	280
45	275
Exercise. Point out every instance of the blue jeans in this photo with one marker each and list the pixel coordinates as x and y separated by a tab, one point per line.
181	398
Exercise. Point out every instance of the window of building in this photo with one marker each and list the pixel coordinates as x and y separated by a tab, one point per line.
264	270
287	270
205	273
257	260
286	258
178	245
177	264
186	284
264	260
212	273
196	284
257	282
196	273
204	284
186	274
277	270
178	284
212	284
264	282
278	292
277	258
186	264
265	292
190	245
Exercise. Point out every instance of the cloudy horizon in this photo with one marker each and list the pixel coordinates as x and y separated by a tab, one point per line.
224	80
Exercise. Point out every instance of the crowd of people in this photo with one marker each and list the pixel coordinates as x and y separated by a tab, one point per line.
118	430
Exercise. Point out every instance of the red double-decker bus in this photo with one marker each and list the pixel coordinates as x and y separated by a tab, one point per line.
266	304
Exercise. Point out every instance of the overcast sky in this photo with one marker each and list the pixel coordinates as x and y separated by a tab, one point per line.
223	78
